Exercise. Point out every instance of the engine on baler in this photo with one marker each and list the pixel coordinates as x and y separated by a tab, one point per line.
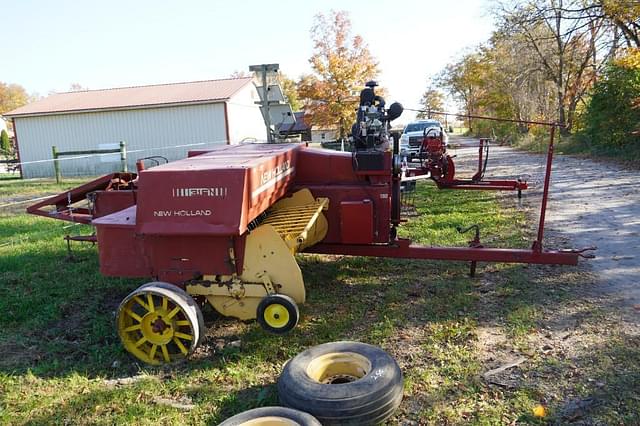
371	129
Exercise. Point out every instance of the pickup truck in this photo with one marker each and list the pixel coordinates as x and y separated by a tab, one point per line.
414	133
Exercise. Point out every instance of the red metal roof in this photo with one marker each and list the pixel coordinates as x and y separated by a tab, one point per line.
134	97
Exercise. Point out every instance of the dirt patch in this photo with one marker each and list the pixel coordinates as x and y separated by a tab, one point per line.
18	204
18	354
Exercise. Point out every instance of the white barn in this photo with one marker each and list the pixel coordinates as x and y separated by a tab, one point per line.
165	120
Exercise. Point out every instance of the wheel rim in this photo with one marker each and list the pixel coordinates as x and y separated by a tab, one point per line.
337	368
155	328
270	421
276	315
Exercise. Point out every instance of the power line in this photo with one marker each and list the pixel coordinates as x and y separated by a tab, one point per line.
133	151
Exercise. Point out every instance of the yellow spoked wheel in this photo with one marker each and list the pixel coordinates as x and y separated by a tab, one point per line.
278	313
159	323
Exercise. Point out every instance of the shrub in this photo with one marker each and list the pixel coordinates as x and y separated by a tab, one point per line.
5	143
612	118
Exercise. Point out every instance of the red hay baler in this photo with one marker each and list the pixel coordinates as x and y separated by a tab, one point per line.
223	225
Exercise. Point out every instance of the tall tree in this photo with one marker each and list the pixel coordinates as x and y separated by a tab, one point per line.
432	100
290	91
341	64
562	35
12	96
625	15
463	81
612	117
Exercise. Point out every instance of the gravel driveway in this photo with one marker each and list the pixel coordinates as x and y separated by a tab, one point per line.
591	204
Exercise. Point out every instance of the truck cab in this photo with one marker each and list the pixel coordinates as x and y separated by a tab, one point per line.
413	135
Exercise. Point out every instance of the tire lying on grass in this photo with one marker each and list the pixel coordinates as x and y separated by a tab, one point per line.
343	383
272	416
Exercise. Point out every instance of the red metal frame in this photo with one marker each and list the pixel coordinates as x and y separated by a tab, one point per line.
494	185
180	220
403	248
106	185
482	146
439	162
537	244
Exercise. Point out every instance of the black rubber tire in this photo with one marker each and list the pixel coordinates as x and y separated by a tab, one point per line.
285	301
369	400
297	416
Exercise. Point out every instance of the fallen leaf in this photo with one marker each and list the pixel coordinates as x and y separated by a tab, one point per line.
539	411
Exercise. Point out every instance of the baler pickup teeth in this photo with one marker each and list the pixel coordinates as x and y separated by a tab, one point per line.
299	220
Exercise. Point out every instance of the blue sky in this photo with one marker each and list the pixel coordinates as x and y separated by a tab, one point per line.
47	45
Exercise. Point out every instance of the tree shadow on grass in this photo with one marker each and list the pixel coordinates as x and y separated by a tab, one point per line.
60	316
131	403
66	326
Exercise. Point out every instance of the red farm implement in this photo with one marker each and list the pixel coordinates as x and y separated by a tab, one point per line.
223	226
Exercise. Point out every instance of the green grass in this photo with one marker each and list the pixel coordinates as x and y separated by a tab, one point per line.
58	344
11	187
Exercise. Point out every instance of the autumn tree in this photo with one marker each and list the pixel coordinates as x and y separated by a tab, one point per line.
12	96
563	36
514	84
342	64
463	80
625	15
432	100
290	91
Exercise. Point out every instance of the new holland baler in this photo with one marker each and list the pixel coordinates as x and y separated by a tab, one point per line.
224	226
